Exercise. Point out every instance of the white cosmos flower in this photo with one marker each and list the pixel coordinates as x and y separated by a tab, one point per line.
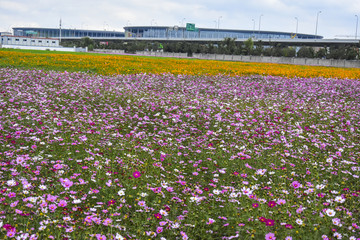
339	199
143	194
216	191
299	221
11	183
121	192
330	212
233	195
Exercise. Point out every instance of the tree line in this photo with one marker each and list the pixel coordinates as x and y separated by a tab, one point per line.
227	46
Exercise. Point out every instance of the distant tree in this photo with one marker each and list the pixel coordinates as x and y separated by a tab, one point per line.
321	53
288	52
306	52
351	53
210	48
229	45
338	52
277	51
267	51
87	42
258	48
248	47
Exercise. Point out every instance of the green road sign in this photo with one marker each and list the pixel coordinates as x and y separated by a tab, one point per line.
190	27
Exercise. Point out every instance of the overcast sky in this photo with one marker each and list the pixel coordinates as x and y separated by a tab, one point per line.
337	17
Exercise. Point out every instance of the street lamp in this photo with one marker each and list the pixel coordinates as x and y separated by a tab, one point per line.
219	22
219	26
317	20
253	27
357	21
297	24
260	23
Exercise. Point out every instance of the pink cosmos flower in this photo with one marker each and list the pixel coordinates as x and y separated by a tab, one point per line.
11	233
295	184
270	236
100	237
107	221
62	203
11	194
211	221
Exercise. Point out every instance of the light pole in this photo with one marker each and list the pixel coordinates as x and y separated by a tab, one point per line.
317	20
253	27
219	22
260	23
219	26
297	24
357	21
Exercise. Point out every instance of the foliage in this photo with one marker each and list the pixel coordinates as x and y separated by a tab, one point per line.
306	52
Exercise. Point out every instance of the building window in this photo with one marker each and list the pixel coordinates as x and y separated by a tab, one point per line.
24	40
32	40
40	41
53	42
17	39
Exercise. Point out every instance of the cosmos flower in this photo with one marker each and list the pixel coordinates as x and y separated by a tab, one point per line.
270	236
136	174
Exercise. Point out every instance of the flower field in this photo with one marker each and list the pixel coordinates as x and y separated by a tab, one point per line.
153	155
123	64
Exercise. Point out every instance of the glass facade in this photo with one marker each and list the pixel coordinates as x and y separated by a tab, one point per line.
160	32
66	33
208	33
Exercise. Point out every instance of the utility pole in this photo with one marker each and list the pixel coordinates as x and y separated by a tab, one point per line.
357	21
60	32
317	20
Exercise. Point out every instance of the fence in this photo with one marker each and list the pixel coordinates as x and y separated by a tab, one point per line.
262	59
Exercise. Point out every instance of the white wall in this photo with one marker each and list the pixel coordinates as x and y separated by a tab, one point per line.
27	41
63	49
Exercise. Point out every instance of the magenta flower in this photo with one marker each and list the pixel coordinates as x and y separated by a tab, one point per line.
270	236
159	230
136	174
157	216
295	184
11	194
272	204
269	222
255	205
111	202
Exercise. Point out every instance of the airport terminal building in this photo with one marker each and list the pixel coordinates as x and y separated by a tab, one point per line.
160	32
65	33
190	32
